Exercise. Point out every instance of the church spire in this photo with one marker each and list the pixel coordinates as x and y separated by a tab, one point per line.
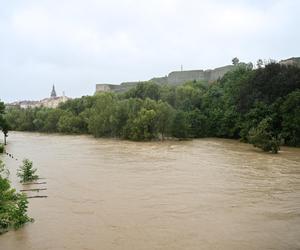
53	92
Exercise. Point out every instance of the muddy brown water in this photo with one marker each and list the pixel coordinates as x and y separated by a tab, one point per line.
200	194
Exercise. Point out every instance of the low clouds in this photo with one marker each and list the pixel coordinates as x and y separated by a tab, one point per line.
77	44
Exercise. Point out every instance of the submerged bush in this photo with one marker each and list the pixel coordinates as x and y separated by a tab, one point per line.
262	137
26	172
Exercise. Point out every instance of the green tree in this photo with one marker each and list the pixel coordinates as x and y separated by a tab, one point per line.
165	115
12	117
4	126
102	118
262	136
51	120
180	125
2	110
144	90
168	94
198	123
188	97
69	123
290	112
253	118
78	105
235	61
125	112
144	126
40	119
267	85
25	119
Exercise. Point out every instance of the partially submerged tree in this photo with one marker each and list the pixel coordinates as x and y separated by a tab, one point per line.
5	128
262	137
3	122
26	172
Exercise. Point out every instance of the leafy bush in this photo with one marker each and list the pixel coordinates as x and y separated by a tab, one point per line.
1	148
26	172
262	137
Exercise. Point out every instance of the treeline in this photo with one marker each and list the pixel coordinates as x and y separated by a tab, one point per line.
260	106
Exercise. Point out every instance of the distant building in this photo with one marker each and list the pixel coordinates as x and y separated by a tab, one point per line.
51	102
291	61
53	92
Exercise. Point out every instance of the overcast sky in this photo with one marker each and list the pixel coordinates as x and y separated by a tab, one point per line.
76	44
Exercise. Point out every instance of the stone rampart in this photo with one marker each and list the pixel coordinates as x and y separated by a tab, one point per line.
291	61
179	77
174	78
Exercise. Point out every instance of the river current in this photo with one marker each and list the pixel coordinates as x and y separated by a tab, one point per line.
114	194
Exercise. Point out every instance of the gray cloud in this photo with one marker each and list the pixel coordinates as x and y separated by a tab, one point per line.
77	44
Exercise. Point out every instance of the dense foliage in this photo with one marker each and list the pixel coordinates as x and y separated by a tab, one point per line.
263	137
13	206
260	106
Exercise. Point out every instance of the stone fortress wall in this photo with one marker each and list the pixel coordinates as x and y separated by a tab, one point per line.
106	87
180	77
291	61
173	78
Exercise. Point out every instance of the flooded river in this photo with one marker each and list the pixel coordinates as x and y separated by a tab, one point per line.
200	194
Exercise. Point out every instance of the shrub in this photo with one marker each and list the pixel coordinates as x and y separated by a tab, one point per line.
1	148
26	172
262	137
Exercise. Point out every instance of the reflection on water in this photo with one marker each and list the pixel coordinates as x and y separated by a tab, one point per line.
200	194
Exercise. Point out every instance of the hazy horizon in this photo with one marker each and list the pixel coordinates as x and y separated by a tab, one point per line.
77	44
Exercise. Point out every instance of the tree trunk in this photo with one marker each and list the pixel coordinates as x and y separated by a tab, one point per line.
162	136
